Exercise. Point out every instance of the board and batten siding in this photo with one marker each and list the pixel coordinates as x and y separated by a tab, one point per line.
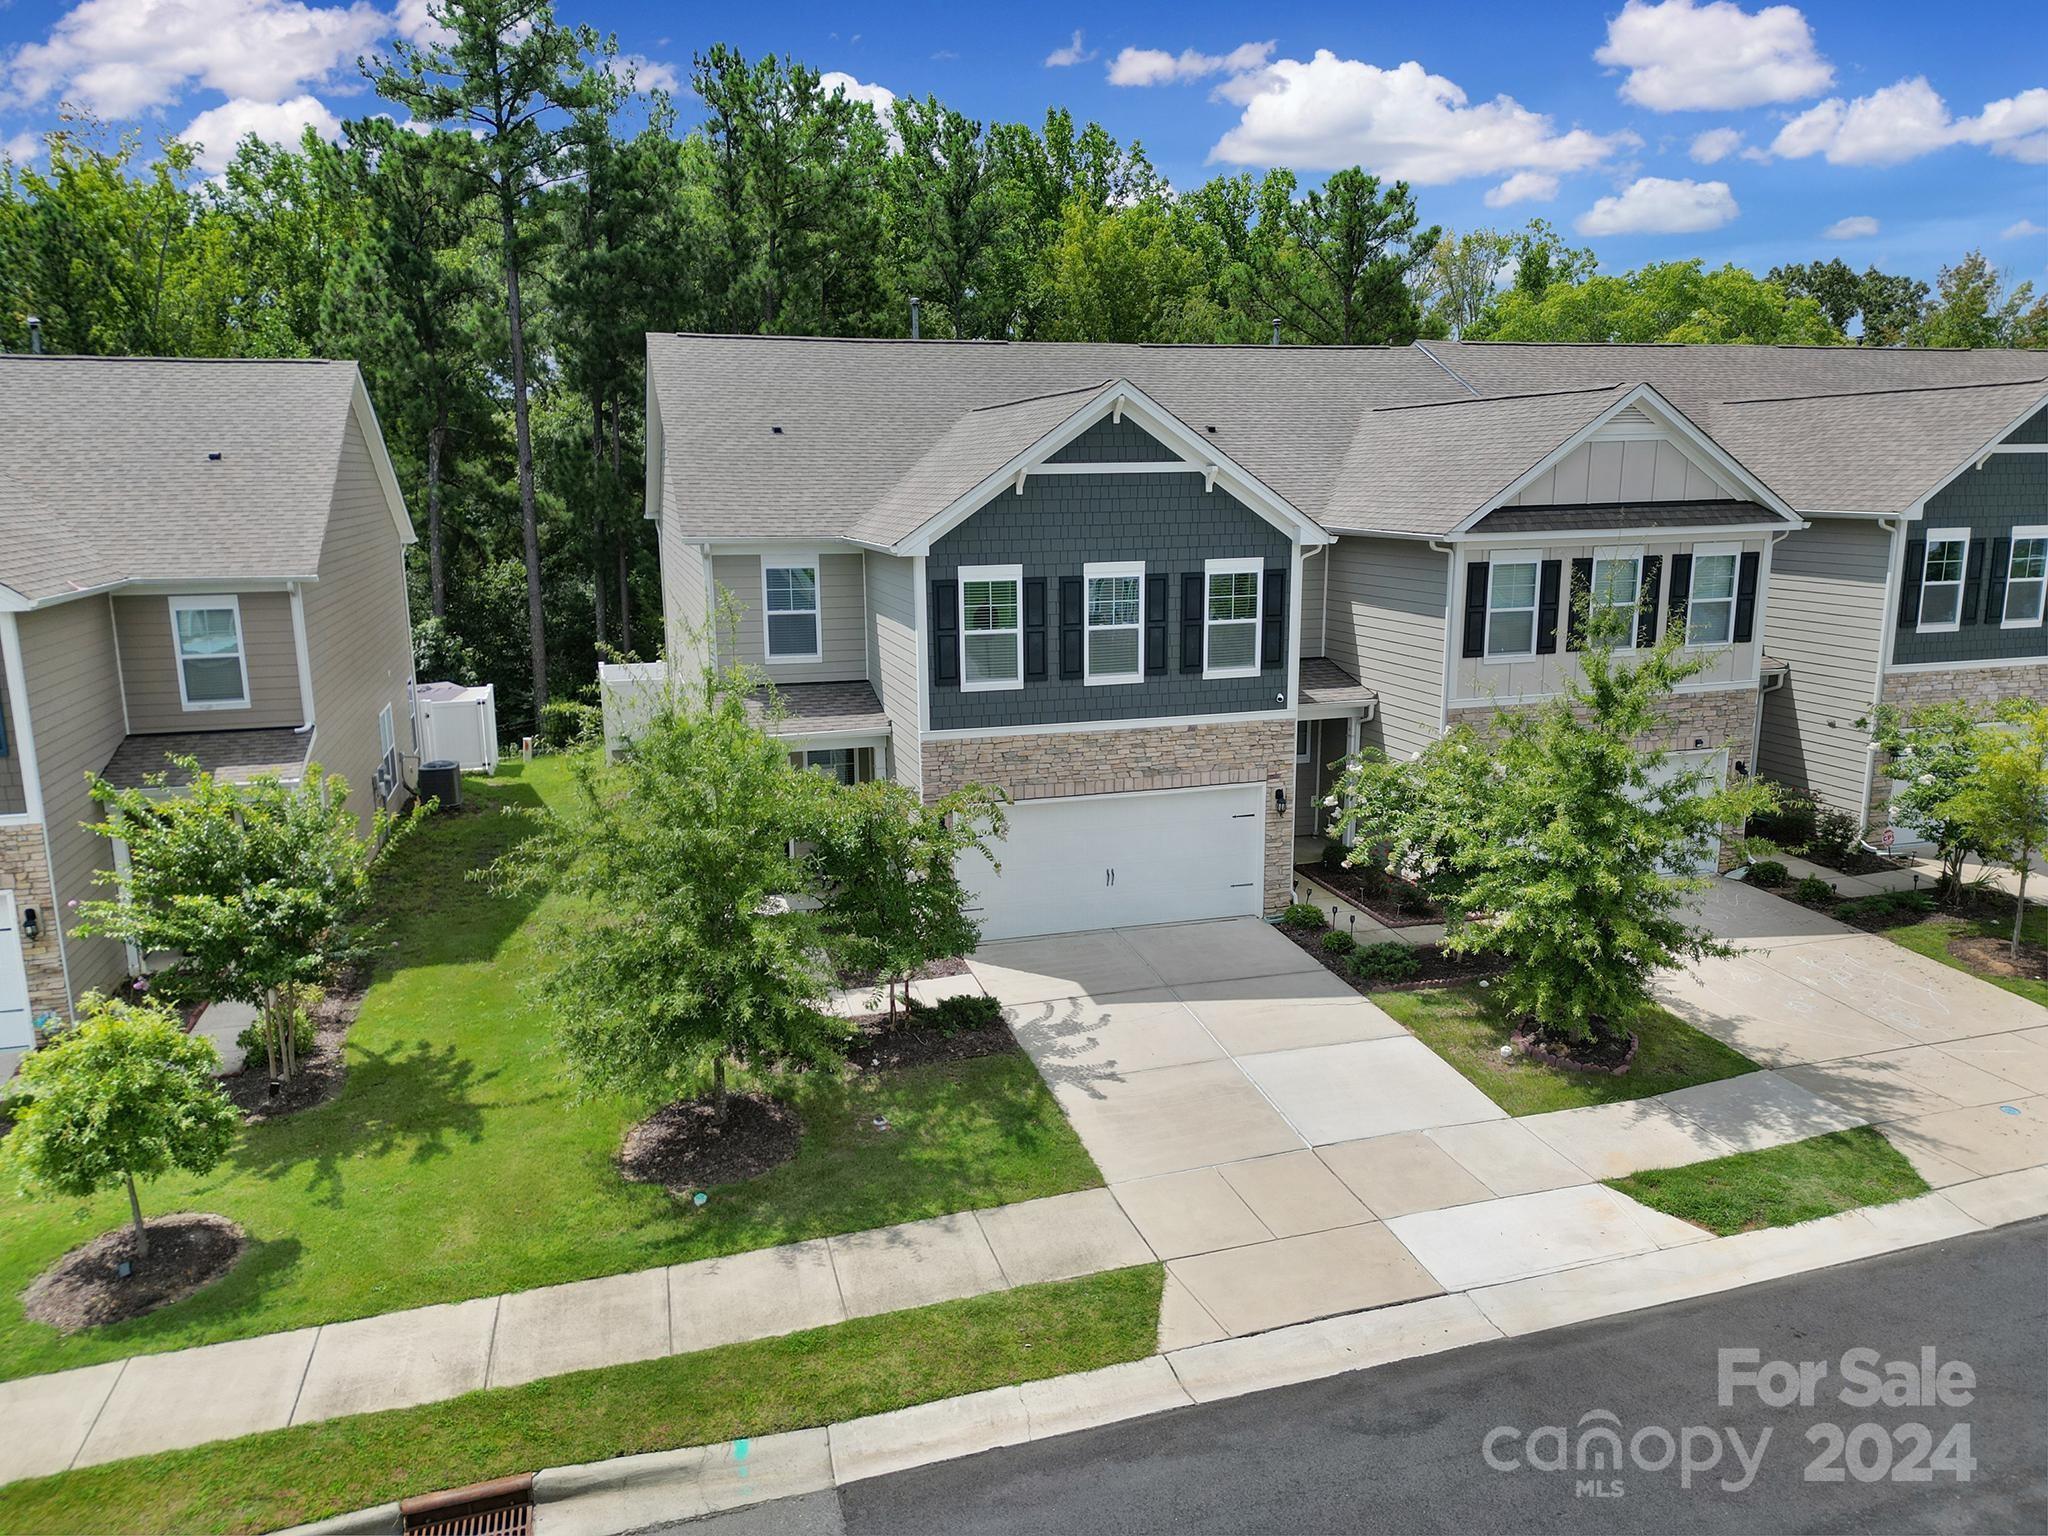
149	666
842	620
894	653
1385	626
359	629
67	655
1628	469
1826	620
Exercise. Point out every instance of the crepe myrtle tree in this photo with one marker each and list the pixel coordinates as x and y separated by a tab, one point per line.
1932	752
125	1096
1555	841
2004	802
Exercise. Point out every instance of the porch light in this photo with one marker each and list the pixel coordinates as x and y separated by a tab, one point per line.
31	928
1280	802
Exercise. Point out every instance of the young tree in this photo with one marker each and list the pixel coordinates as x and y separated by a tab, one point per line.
1558	842
1673	301
1973	308
253	887
1459	283
887	865
1124	274
2005	801
1932	752
127	1095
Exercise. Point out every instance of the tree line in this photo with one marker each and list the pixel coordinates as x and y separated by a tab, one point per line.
494	262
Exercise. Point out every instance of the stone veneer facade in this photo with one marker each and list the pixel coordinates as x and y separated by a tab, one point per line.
1053	764
1984	688
25	870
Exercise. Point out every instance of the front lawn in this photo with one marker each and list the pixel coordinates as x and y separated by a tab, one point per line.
455	1162
1986	926
1465	1025
827	1375
1780	1185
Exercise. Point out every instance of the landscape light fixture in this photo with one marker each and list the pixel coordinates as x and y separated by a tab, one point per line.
31	925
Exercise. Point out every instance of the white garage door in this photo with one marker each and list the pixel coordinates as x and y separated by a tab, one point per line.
1716	762
16	1028
1107	861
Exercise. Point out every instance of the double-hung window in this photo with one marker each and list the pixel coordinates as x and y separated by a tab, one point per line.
1230	625
1710	602
1618	588
991	627
2026	579
1115	608
1941	579
1512	581
206	638
789	600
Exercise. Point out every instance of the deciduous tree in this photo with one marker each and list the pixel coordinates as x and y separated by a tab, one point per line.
2004	803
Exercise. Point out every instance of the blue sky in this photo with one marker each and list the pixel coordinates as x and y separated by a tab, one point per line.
1877	131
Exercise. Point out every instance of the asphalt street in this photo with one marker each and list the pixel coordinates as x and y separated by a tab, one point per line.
1472	1441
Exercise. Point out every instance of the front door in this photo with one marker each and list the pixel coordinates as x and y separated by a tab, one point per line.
17	1028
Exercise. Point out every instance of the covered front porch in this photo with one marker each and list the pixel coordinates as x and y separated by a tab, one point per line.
1331	708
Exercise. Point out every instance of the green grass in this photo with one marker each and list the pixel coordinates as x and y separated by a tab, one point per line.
455	1164
1464	1025
1931	936
870	1365
1780	1185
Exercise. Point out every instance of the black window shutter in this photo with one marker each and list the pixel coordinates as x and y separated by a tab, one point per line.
1476	573
1071	664
1680	593
945	617
1155	625
1034	629
1745	595
1646	600
1192	603
1547	595
1582	594
1909	591
1273	622
1973	578
1994	594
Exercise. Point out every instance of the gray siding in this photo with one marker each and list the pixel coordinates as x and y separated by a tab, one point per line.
1315	583
1063	522
13	796
1385	626
1825	617
2033	430
685	603
149	666
2010	490
842	620
67	653
1114	442
358	629
893	657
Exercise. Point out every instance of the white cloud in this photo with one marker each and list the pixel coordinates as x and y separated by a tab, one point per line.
26	146
1522	187
413	22
1658	205
1405	122
652	74
1858	226
215	132
1073	53
1683	57
1716	145
1908	119
2022	230
1155	66
121	57
880	97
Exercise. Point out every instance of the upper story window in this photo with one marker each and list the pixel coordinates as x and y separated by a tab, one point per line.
1512	583
1230	627
1710	603
1618	588
1115	619
206	640
991	628
1941	579
2026	579
789	598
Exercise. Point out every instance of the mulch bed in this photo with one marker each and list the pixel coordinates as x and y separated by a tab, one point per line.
187	1253
683	1147
879	1046
1604	1054
1861	862
1384	906
322	1070
1994	957
1438	968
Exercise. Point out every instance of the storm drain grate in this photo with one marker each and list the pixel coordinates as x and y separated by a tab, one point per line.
501	1507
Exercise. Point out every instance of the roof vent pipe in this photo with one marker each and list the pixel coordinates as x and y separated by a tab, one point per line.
35	335
915	304
1276	330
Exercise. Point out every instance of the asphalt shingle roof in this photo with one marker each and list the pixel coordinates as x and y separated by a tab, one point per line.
237	756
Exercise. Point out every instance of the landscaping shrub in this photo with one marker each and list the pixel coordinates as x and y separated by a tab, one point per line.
1836	835
1392	961
1337	942
1413	901
1886	906
1813	891
957	1014
299	1002
1333	856
1305	914
1791	824
1769	874
566	724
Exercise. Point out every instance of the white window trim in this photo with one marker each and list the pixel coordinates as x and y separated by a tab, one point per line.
1495	561
1091	573
1011	573
1937	536
1611	555
816	610
1235	567
233	605
2033	531
1710	552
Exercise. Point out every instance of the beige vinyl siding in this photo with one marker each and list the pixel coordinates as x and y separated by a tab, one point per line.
1315	573
685	602
1826	620
842	620
149	666
894	654
13	794
1613	470
358	629
67	654
1385	625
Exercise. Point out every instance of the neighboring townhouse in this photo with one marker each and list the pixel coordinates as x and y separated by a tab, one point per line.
197	558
